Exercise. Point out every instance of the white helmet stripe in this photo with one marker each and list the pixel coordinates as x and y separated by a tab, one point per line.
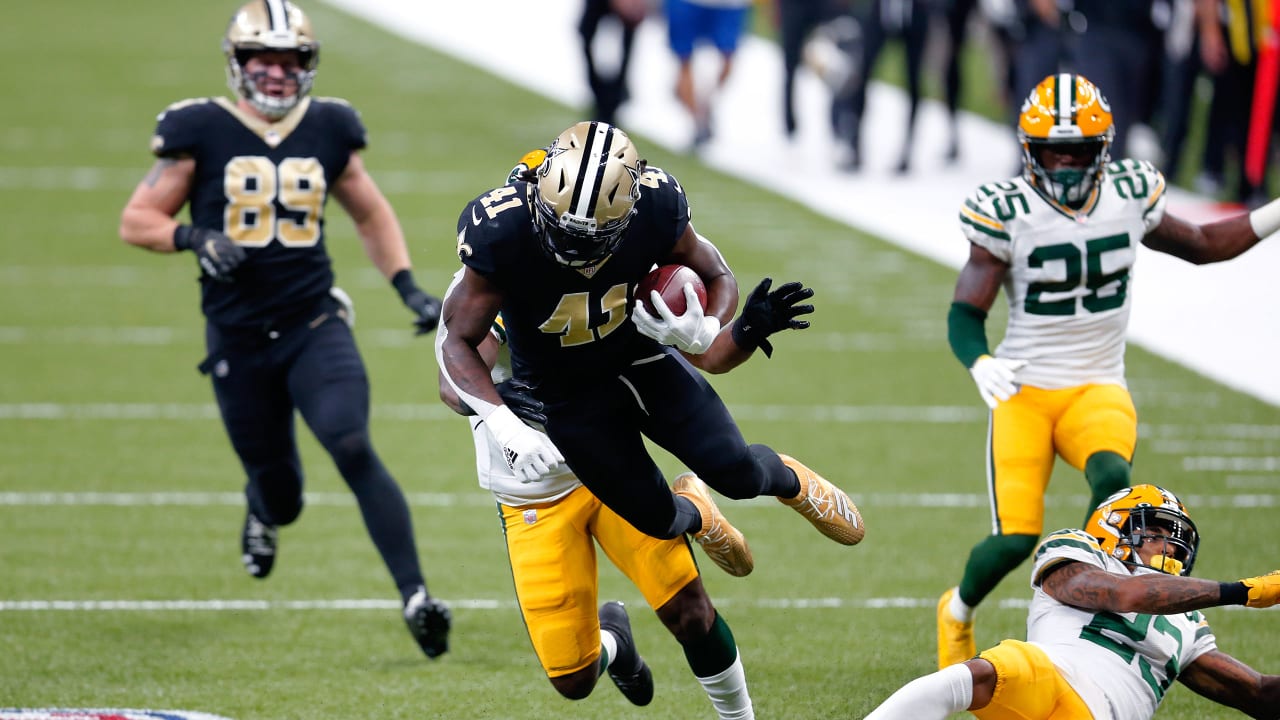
279	15
591	172
1065	95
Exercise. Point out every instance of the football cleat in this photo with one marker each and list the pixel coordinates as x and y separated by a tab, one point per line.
627	669
824	505
722	542
258	546
429	620
955	638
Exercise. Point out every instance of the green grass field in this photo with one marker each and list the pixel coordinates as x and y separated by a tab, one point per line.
117	482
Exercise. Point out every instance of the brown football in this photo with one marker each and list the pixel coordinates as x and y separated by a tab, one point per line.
669	281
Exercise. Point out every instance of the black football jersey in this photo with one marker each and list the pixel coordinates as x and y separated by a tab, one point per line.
264	185
566	326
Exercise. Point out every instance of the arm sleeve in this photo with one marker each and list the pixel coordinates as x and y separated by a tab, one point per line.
967	333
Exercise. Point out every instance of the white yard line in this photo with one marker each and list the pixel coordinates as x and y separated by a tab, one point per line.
1215	319
363	604
478	498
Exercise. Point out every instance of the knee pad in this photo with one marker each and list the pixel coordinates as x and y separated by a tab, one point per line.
351	453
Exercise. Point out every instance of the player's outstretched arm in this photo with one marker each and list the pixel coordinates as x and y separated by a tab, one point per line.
1091	588
1216	241
765	312
1227	681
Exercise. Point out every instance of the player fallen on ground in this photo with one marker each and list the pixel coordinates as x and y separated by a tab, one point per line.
1115	620
256	175
559	253
1061	240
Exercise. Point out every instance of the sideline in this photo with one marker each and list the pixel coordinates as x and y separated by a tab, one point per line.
1215	320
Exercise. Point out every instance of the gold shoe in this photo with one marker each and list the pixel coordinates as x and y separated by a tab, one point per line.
955	638
825	505
721	541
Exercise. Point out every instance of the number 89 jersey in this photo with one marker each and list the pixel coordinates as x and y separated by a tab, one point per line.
264	185
1069	273
1121	664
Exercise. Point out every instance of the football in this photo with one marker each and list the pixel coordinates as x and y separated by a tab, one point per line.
669	281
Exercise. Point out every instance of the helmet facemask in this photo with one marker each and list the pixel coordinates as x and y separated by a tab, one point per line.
587	189
249	85
1180	538
1068	186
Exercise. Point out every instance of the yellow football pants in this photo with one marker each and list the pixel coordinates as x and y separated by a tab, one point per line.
1029	687
1033	426
551	548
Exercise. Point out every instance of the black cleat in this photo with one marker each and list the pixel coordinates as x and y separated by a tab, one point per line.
628	670
429	621
257	546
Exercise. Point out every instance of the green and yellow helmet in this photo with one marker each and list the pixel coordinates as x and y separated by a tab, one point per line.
1123	522
1065	110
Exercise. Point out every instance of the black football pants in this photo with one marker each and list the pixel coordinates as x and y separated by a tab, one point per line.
601	433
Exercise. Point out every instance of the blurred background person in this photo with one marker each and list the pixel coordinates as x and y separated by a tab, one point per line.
719	22
607	76
1232	33
1003	27
882	20
797	22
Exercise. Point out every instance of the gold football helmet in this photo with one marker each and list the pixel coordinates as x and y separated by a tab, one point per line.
588	186
1124	521
1068	112
267	25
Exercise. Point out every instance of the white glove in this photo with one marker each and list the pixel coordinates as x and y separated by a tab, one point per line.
691	332
529	453
994	378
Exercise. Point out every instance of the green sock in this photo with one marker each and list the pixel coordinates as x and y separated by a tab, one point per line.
1108	474
713	653
989	561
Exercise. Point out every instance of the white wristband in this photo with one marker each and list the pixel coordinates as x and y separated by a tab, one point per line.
1266	219
503	424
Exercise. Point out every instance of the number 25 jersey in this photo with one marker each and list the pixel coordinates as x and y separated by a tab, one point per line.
1070	272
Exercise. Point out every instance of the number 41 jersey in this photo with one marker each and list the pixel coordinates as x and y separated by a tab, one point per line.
1121	664
1068	285
264	185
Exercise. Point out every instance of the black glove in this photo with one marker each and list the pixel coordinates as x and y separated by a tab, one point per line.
519	397
426	307
218	255
768	312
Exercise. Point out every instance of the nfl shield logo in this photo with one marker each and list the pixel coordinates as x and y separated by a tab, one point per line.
530	517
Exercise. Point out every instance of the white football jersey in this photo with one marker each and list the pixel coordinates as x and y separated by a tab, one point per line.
1121	664
1070	272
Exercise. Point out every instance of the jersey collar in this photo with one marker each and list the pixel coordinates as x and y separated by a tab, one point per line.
272	133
